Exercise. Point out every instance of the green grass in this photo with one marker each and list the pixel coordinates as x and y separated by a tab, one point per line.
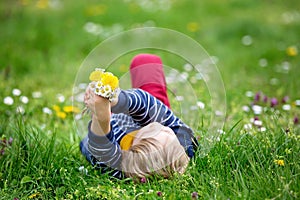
42	50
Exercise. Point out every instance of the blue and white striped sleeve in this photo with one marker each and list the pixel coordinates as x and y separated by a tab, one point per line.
105	149
143	108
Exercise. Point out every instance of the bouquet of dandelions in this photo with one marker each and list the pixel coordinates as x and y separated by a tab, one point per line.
104	84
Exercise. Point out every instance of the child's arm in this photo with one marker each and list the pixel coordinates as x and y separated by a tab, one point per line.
100	109
101	143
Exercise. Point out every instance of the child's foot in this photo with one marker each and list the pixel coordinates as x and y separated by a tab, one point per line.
147	73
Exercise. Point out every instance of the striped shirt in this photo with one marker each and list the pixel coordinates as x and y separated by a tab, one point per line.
135	109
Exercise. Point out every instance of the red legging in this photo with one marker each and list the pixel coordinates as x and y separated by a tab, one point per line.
146	71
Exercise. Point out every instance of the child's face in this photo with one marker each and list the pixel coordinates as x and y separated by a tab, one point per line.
162	134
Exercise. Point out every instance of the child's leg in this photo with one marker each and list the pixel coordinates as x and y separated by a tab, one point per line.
147	73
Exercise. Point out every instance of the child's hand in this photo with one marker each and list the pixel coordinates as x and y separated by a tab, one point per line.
103	89
99	106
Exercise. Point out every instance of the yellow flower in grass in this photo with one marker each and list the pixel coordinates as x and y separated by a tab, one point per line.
279	162
61	114
71	109
96	75
56	108
34	195
292	51
193	26
111	80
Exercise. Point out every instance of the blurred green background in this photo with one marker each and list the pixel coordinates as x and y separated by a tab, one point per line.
254	43
43	42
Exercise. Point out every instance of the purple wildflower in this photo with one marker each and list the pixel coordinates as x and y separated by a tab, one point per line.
159	193
265	99
296	120
16	198
143	180
10	141
257	96
256	118
285	99
274	102
2	152
195	195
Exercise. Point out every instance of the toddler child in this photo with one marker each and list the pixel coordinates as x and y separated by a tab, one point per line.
137	135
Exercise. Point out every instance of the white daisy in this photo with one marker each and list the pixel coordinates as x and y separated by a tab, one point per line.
248	126
201	105
257	123
286	107
99	84
246	108
257	109
8	100
24	99
61	98
16	92
36	94
47	110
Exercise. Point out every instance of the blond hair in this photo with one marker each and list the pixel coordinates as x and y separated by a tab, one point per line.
149	157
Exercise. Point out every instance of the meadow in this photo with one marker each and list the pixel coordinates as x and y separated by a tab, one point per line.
255	45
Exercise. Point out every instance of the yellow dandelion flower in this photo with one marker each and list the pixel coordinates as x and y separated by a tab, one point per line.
279	162
70	109
56	108
292	51
111	80
96	75
33	196
61	114
193	26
